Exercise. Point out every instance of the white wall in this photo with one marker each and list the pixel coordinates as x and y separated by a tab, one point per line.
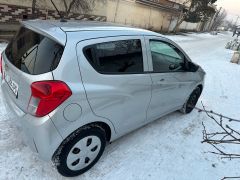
190	26
131	13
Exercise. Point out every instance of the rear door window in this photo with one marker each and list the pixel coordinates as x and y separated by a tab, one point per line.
34	53
116	57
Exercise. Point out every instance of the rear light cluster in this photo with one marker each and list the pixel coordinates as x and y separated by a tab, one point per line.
47	96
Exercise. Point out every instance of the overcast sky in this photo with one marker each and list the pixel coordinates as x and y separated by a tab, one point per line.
232	7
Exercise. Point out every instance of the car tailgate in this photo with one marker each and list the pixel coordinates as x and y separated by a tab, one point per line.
18	84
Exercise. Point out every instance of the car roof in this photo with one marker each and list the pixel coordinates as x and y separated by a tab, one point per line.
57	29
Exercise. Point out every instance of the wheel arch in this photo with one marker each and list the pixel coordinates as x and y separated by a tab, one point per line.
101	124
105	127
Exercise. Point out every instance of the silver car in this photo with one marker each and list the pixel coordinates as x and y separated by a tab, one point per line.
75	86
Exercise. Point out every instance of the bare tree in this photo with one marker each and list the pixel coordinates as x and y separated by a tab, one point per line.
82	6
195	11
219	19
36	4
64	7
33	7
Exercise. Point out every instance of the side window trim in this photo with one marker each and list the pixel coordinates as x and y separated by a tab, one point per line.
82	44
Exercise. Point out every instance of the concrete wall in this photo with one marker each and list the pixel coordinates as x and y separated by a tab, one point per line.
189	26
185	26
131	13
99	7
127	12
13	14
27	3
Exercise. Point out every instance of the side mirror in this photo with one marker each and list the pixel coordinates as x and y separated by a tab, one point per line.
173	66
176	66
191	67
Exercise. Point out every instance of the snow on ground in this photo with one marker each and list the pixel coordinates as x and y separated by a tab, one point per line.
169	148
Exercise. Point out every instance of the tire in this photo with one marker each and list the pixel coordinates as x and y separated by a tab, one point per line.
192	101
80	151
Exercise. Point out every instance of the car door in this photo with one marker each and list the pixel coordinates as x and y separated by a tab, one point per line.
171	83
117	88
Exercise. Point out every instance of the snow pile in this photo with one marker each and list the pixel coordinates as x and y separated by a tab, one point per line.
169	148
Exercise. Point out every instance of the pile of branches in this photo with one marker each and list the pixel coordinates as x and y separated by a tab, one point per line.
225	135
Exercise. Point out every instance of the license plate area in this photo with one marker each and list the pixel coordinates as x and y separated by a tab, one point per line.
12	84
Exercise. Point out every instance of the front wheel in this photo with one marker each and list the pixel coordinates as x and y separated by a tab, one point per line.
192	101
81	151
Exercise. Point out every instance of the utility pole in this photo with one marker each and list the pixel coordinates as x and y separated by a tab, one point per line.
215	17
237	20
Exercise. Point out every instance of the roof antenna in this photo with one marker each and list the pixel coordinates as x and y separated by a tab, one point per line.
59	13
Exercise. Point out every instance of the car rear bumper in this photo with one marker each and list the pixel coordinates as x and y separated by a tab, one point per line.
40	134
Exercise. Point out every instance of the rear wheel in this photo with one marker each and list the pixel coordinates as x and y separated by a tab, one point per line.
192	101
81	151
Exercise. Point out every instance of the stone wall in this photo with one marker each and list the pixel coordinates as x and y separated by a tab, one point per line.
13	14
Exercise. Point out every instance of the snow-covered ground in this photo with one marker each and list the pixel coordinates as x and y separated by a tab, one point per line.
169	148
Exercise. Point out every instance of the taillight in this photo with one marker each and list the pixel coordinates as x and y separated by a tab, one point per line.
47	96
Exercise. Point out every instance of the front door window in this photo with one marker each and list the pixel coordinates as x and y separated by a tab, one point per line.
166	57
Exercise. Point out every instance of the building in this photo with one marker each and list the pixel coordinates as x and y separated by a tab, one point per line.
156	15
13	11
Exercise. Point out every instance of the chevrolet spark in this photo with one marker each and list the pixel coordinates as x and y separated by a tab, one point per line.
76	86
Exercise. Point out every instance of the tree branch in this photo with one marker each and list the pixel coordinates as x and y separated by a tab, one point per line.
65	5
70	7
59	13
219	124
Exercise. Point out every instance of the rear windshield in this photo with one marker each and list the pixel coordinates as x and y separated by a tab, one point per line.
34	53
